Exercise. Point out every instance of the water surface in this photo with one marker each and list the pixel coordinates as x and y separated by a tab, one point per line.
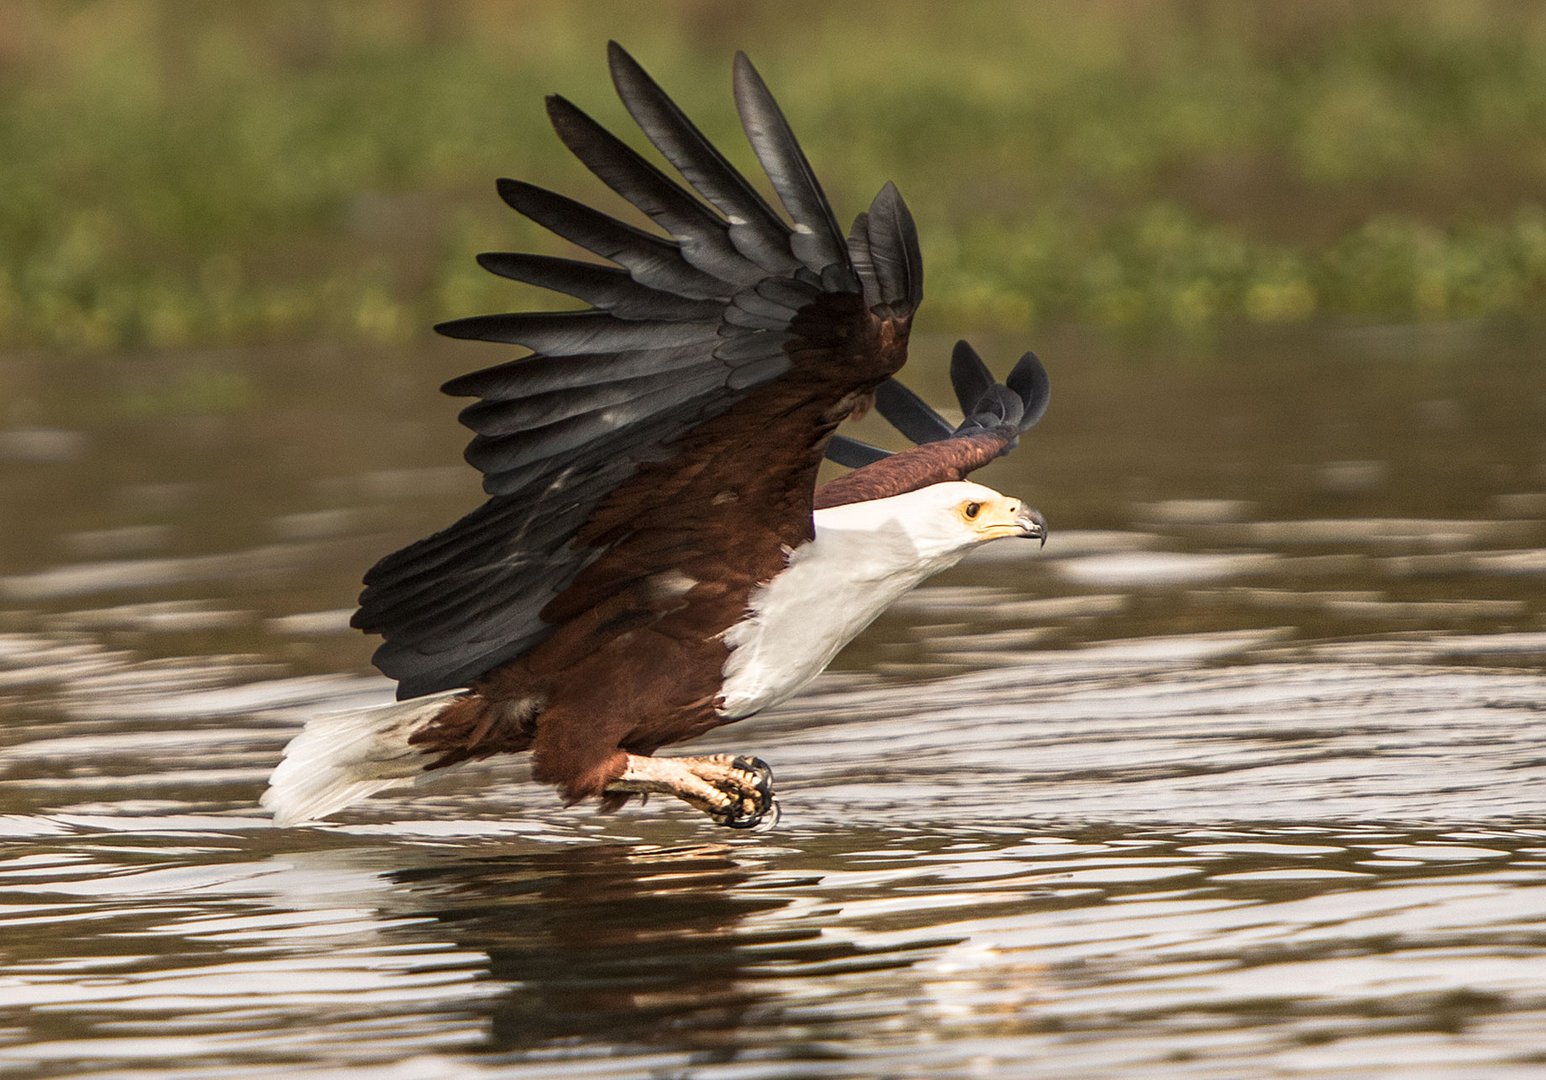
1241	776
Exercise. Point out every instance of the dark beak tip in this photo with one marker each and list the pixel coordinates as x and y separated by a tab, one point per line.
1036	526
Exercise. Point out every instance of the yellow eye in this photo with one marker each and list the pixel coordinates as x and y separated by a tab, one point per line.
973	509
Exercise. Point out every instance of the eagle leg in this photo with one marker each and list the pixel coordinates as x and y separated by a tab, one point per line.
733	791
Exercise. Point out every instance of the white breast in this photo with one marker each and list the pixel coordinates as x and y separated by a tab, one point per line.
862	559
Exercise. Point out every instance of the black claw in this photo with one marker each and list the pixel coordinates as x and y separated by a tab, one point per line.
770	818
738	820
738	815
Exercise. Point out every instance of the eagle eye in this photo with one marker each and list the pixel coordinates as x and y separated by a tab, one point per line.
973	509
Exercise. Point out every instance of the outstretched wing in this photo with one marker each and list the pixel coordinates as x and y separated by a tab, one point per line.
995	415
675	423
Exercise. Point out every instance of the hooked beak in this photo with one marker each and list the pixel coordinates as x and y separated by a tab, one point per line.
1031	524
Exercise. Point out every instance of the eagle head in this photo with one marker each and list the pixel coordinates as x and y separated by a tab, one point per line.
954	517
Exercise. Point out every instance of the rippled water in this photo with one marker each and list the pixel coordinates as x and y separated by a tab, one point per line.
1244	775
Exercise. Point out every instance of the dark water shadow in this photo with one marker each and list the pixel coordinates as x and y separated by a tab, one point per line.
673	949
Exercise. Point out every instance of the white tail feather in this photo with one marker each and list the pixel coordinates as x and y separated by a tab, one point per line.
340	758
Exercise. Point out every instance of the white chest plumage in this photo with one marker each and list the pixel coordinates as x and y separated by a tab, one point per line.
863	558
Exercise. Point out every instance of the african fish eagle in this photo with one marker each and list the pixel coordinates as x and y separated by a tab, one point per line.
655	558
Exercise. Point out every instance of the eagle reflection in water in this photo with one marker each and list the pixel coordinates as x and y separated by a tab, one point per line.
653	948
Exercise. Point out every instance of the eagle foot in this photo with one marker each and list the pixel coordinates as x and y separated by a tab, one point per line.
736	792
750	796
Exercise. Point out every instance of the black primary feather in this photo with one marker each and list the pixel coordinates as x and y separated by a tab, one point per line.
704	238
893	250
571	333
532	375
1007	409
817	240
969	376
854	453
755	230
1029	380
910	414
651	260
610	288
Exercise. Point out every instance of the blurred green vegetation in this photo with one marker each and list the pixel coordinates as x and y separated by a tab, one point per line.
186	173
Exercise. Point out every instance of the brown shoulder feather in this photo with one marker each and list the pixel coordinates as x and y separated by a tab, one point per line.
932	463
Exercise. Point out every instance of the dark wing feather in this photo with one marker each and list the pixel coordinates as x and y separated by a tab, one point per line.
674	425
1030	383
969	376
854	453
607	287
703	237
572	333
817	241
755	230
650	260
893	249
910	414
994	416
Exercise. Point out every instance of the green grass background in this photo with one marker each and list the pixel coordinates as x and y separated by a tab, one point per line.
178	174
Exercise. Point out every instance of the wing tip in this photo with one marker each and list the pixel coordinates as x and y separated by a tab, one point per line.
891	236
511	190
622	67
465	329
558	104
1030	381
